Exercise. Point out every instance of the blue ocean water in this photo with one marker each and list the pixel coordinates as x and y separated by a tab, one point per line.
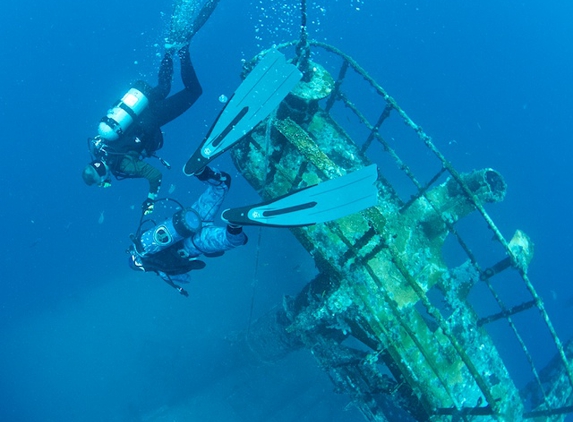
86	339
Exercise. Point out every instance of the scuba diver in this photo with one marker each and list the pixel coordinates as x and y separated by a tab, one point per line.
171	247
131	130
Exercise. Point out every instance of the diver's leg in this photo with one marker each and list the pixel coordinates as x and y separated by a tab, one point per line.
188	74
210	201
213	239
164	79
181	101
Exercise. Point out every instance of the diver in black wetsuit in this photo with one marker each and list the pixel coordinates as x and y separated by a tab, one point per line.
132	129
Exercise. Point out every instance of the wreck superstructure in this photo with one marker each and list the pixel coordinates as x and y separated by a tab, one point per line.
392	322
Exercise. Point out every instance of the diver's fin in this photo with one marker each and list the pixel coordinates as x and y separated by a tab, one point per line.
319	203
257	96
187	19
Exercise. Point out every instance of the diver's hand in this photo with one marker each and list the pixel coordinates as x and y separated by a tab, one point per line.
182	291
147	206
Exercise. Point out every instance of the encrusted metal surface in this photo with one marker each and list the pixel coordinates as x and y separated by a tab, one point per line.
370	307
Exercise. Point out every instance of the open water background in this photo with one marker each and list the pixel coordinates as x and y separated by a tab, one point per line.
83	338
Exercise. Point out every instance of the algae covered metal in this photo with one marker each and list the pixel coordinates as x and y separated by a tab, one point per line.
392	321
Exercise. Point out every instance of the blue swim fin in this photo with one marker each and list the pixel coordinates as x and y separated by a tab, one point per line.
257	96
319	203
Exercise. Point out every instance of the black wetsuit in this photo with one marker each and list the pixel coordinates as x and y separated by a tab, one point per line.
144	136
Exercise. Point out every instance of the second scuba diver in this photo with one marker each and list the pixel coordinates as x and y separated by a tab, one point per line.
171	248
131	130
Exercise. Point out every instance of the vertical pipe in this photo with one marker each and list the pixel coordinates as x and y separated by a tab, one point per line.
303	48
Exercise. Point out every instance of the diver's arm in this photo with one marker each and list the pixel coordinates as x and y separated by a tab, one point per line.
168	280
133	167
153	176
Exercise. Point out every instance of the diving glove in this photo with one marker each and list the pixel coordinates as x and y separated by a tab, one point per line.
182	291
147	206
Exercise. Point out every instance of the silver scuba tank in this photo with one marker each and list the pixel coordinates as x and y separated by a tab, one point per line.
122	114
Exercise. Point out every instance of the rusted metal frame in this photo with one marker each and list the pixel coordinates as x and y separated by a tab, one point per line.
383	116
358	245
517	335
401	165
549	412
375	250
351	62
525	278
359	69
334	94
424	189
347	59
504	314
